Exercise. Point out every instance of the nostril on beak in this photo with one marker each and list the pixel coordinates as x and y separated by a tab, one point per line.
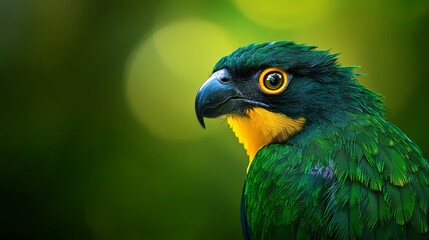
224	79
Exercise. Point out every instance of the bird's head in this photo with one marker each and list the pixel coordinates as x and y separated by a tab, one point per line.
271	91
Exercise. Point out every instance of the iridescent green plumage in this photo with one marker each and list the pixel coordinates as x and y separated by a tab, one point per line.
347	174
378	190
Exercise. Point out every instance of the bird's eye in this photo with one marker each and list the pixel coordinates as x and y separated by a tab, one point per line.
273	80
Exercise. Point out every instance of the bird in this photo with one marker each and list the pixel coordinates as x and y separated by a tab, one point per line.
324	163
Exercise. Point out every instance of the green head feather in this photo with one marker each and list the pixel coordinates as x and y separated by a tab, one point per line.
319	89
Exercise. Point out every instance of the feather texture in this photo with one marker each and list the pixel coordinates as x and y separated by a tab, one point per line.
324	162
380	190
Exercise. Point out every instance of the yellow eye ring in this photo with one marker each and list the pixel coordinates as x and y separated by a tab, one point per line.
273	80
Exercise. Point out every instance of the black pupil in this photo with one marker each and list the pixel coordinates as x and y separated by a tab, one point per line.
273	80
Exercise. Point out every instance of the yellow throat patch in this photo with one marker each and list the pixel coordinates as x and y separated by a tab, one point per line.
261	127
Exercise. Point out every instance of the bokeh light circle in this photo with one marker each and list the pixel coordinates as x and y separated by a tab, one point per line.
283	14
165	72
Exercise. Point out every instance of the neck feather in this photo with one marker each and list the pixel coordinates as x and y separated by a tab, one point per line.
259	127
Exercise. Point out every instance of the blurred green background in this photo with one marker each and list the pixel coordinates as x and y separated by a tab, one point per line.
98	134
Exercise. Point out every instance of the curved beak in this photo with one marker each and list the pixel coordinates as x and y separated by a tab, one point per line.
218	96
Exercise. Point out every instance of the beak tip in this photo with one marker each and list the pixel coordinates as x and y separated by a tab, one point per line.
199	109
203	125
201	120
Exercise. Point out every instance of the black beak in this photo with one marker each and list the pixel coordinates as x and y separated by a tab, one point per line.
218	96
212	98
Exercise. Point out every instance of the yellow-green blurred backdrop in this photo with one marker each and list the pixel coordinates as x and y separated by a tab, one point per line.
98	134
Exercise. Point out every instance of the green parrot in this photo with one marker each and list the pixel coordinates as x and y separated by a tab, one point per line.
324	163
